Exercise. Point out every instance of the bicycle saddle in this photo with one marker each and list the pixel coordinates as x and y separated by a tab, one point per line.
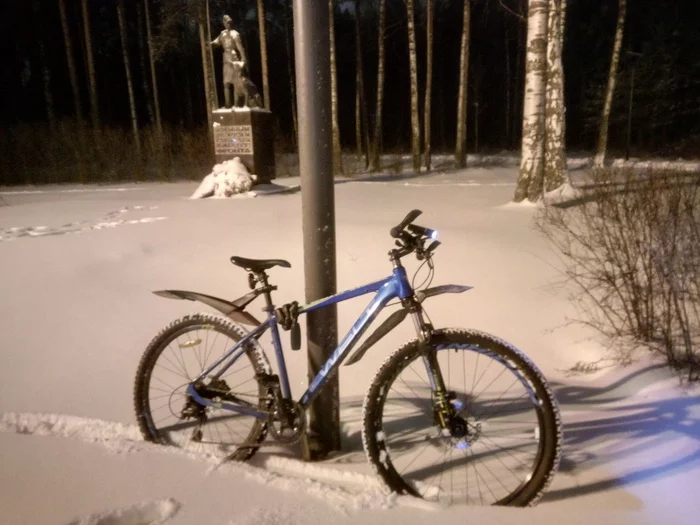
259	264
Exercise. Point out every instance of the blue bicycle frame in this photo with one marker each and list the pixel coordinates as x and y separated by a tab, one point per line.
393	287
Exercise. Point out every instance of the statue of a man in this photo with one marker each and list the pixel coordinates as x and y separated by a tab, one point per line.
230	40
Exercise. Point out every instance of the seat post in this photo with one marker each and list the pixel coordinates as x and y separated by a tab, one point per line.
261	277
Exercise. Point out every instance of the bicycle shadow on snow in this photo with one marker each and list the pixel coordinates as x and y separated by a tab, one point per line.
613	427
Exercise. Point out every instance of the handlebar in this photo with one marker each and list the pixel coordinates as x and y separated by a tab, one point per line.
412	238
396	231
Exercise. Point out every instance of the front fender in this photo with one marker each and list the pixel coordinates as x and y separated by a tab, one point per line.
439	290
395	319
234	310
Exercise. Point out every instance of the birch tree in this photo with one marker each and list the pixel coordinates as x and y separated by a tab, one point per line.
127	69
555	122
429	14
337	152
530	179
461	145
263	54
610	91
92	77
413	69
70	59
377	135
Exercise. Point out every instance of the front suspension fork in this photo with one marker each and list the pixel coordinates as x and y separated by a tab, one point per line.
443	408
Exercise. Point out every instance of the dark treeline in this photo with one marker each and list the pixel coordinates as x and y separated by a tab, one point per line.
665	116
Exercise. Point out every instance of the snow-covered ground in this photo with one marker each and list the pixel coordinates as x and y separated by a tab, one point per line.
76	313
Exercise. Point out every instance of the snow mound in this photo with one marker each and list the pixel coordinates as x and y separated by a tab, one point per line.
227	179
563	193
148	512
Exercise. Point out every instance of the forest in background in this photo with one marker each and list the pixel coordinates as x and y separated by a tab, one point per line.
38	114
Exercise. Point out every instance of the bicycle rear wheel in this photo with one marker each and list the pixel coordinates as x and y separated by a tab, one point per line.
167	415
504	448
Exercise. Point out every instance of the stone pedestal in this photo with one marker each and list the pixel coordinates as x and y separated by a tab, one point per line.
248	134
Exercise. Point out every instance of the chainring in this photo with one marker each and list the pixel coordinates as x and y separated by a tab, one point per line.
287	423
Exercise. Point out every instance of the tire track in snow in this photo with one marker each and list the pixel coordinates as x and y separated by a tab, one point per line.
110	220
359	492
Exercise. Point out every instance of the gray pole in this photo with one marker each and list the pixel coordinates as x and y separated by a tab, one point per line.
312	55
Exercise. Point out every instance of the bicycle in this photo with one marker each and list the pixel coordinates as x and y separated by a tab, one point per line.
421	408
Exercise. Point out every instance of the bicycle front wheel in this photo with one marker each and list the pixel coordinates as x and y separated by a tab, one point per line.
505	445
177	355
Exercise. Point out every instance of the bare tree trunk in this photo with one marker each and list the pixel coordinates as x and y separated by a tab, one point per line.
516	123
129	82
531	178
71	61
555	173
609	93
212	72
292	82
142	63
204	44
461	146
361	122
413	68
337	152
377	135
263	53
45	71
154	76
507	84
94	110
429	8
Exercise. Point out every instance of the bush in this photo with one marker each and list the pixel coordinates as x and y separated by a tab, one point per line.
40	154
631	245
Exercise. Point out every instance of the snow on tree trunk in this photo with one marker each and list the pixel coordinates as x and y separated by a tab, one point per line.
530	180
92	77
227	179
610	91
72	74
263	54
429	13
377	136
413	68
555	174
337	157
461	146
129	82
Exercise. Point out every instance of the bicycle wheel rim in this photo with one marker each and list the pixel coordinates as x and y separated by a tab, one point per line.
180	356
462	470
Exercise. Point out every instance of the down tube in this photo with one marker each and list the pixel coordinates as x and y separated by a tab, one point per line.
384	295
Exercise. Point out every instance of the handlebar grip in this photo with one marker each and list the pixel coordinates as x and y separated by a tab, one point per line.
396	230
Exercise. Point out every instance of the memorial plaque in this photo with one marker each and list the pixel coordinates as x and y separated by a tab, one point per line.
249	135
233	140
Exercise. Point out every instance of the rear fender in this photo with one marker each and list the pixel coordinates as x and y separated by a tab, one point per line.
395	319
234	310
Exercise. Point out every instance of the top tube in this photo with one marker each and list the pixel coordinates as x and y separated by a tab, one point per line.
398	277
